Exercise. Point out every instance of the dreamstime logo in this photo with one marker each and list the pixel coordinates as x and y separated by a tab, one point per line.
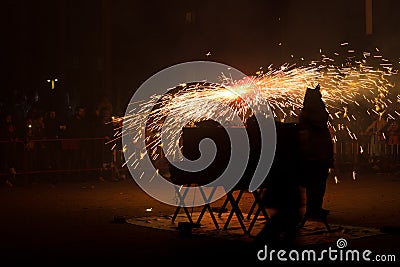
341	243
330	254
135	139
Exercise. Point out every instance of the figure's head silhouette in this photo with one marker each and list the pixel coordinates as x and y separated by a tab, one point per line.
314	109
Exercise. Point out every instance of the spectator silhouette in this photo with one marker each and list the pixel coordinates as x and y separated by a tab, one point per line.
393	131
53	125
104	104
39	134
9	146
30	148
77	129
376	131
77	126
104	129
316	147
52	133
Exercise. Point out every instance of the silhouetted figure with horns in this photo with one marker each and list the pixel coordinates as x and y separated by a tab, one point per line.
316	150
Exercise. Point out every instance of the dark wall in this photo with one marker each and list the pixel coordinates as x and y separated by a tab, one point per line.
106	47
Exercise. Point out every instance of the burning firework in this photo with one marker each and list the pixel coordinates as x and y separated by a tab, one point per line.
350	90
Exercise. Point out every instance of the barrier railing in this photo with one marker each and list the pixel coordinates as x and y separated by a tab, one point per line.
36	156
378	156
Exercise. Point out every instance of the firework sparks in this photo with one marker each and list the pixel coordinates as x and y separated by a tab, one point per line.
349	91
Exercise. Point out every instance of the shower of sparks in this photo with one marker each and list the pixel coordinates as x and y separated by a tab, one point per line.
351	91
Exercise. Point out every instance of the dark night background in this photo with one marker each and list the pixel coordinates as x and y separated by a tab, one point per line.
58	212
108	48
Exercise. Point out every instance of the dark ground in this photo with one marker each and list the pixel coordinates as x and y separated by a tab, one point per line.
72	223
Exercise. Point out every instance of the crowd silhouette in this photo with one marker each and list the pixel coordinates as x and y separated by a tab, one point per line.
43	141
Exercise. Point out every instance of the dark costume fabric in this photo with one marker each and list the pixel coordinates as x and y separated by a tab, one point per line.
316	149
